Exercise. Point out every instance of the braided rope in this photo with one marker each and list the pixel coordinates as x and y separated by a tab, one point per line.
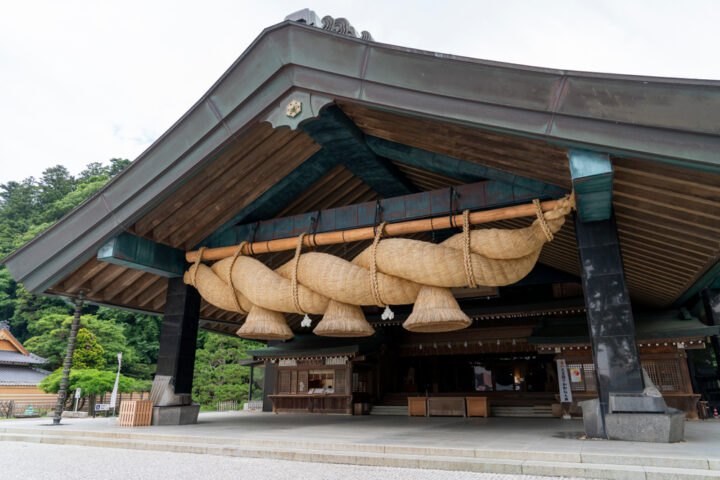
467	258
235	256
543	223
293	278
374	286
198	259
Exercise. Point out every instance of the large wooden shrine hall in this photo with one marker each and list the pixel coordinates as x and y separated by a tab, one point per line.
417	233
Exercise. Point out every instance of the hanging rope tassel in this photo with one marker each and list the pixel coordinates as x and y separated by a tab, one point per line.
388	313
306	321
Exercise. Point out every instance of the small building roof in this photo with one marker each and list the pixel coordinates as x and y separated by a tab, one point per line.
21	375
17	358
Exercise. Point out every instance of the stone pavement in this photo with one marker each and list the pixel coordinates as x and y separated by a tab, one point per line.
62	462
503	445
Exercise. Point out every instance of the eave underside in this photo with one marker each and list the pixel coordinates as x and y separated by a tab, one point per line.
668	218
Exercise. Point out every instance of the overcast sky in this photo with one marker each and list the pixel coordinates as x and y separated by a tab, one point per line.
85	81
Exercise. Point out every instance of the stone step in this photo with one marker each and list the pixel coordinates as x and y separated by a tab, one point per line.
492	463
389	410
541	411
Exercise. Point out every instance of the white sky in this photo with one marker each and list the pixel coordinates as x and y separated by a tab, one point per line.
84	81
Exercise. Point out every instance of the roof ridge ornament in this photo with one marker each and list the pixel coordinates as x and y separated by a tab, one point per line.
337	25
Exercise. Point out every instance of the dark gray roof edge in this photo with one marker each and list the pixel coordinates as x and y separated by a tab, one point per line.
308	58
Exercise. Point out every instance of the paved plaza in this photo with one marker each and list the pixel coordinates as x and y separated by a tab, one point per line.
535	446
60	462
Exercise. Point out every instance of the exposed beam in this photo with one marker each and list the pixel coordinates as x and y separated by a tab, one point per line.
452	167
341	138
204	321
276	198
474	196
592	178
140	253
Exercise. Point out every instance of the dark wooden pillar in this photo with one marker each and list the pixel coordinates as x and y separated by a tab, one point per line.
609	314
268	386
178	335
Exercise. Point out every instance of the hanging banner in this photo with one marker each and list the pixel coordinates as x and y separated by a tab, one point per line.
564	382
113	395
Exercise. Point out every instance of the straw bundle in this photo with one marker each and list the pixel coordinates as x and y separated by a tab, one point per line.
436	310
343	320
262	324
407	271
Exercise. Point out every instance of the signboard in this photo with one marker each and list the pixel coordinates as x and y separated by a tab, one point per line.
78	391
564	382
575	375
102	407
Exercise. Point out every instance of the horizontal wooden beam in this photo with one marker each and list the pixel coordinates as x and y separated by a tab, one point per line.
592	178
446	201
368	233
140	253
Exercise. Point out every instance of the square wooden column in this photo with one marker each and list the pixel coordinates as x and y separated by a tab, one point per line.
178	335
609	314
172	385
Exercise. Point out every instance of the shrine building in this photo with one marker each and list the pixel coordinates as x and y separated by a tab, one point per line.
416	233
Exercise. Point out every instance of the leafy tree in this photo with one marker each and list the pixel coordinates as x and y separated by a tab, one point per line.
50	334
88	352
218	377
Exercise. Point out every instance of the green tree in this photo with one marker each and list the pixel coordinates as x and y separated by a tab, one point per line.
218	377
88	352
92	382
50	334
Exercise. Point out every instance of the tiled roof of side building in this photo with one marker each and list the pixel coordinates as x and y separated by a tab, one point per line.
17	358
21	375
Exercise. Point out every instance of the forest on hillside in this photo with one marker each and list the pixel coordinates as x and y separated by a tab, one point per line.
42	323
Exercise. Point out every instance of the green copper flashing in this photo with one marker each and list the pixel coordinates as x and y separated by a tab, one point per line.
142	254
592	178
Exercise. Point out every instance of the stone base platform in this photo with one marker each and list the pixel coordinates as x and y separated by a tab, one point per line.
175	415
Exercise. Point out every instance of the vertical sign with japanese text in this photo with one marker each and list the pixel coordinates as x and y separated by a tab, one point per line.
564	382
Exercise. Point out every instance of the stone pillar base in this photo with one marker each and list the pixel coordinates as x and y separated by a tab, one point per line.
175	414
646	427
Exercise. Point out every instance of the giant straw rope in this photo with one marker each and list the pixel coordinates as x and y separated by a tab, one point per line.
390	272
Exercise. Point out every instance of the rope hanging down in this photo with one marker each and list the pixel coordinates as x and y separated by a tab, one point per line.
543	222
306	321
467	259
235	256
387	314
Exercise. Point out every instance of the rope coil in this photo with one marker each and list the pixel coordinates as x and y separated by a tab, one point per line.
467	258
235	256
543	222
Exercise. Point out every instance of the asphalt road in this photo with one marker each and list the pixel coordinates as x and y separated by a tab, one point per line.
34	461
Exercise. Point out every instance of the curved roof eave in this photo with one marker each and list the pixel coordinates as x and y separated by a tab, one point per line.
674	120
